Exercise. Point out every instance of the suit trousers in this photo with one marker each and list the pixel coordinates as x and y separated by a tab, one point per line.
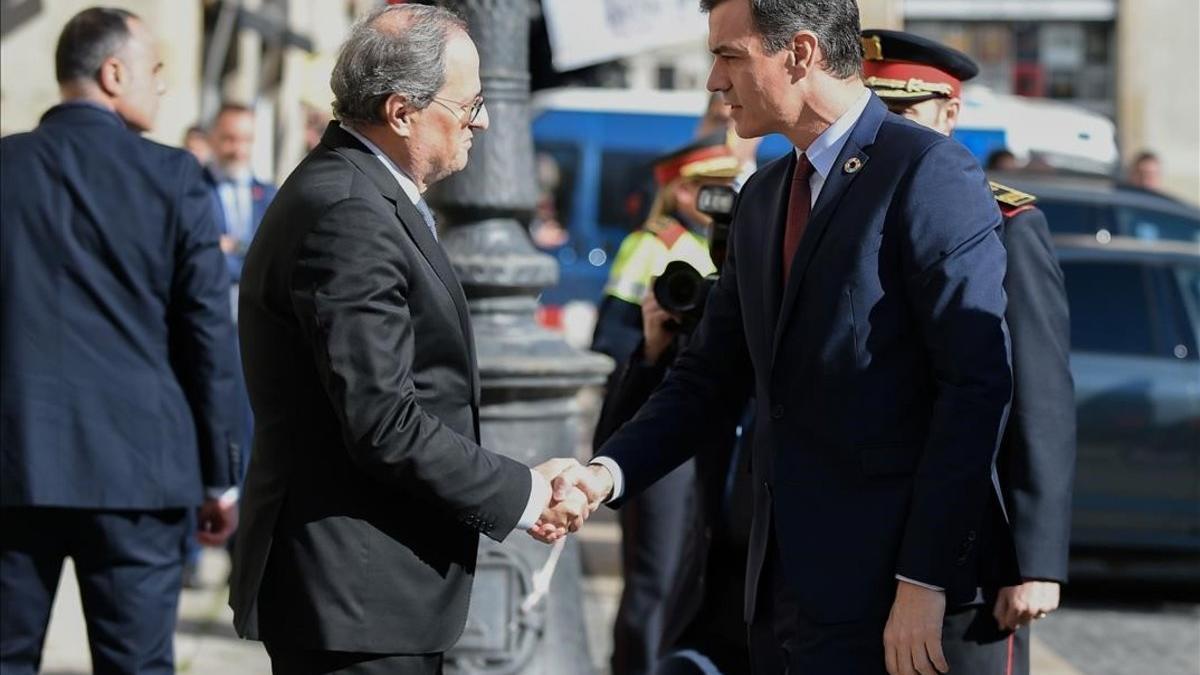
975	645
783	641
128	564
286	661
653	526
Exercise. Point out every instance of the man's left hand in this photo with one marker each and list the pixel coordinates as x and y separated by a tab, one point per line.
217	521
1019	605
912	639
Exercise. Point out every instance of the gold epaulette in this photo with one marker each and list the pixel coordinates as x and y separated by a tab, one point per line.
1010	197
659	225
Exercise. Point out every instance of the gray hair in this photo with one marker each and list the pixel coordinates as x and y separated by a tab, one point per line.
397	49
834	22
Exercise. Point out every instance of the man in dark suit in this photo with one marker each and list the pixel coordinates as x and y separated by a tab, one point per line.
861	302
367	489
117	358
1036	462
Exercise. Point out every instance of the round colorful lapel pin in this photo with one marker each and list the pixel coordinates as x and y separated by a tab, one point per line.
852	165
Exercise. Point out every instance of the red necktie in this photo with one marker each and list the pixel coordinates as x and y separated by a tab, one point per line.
799	206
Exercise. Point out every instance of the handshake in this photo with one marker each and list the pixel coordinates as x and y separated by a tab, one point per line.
575	492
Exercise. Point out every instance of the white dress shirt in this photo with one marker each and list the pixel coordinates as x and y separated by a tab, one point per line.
539	491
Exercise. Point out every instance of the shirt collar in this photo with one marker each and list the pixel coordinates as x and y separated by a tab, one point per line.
407	184
824	150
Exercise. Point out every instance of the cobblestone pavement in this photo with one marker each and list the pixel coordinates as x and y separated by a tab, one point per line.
1107	629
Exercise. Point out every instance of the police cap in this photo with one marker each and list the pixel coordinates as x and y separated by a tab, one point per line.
707	157
905	68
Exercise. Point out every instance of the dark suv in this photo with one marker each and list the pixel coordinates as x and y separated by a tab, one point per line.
1135	316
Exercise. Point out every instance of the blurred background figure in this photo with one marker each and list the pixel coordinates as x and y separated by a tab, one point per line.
117	349
637	332
195	141
1001	160
1145	172
242	197
546	229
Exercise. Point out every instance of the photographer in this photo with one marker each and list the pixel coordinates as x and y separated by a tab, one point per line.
644	337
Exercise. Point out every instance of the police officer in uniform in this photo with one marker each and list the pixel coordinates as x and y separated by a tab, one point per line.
922	80
640	335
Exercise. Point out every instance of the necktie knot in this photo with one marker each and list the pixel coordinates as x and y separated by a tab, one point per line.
804	169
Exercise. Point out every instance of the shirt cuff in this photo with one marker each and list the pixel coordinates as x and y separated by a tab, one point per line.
914	582
539	497
225	496
617	476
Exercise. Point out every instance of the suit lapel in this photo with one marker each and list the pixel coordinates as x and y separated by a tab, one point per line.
349	147
851	162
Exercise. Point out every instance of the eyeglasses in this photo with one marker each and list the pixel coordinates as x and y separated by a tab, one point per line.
471	109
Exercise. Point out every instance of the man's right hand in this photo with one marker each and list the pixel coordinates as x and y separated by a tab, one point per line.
576	492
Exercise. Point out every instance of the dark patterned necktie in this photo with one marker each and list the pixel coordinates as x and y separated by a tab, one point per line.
799	206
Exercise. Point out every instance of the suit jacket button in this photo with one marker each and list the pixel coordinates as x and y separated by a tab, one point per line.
777	412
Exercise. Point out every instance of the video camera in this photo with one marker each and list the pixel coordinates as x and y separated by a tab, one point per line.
681	289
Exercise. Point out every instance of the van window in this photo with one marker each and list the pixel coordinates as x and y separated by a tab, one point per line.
557	166
626	188
1111	306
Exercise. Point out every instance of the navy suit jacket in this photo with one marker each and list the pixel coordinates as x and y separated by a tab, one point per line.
116	343
261	194
881	373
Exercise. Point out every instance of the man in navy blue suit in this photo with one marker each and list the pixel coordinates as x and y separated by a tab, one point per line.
861	304
241	198
117	358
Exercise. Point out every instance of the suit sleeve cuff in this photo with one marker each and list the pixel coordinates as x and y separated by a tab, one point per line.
226	496
914	582
539	497
617	475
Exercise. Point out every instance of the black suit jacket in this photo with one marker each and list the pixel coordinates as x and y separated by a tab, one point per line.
367	489
1037	459
881	373
116	345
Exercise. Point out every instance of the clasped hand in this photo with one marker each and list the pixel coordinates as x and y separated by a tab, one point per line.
575	492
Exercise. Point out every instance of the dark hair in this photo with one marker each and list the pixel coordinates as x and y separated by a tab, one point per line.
995	156
379	60
233	107
195	129
834	22
89	38
1143	156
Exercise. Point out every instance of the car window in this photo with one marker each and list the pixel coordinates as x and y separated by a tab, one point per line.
1111	307
1068	217
1187	286
626	188
1151	224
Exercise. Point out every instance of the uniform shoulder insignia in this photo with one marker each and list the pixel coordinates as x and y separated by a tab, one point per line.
1010	197
665	228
